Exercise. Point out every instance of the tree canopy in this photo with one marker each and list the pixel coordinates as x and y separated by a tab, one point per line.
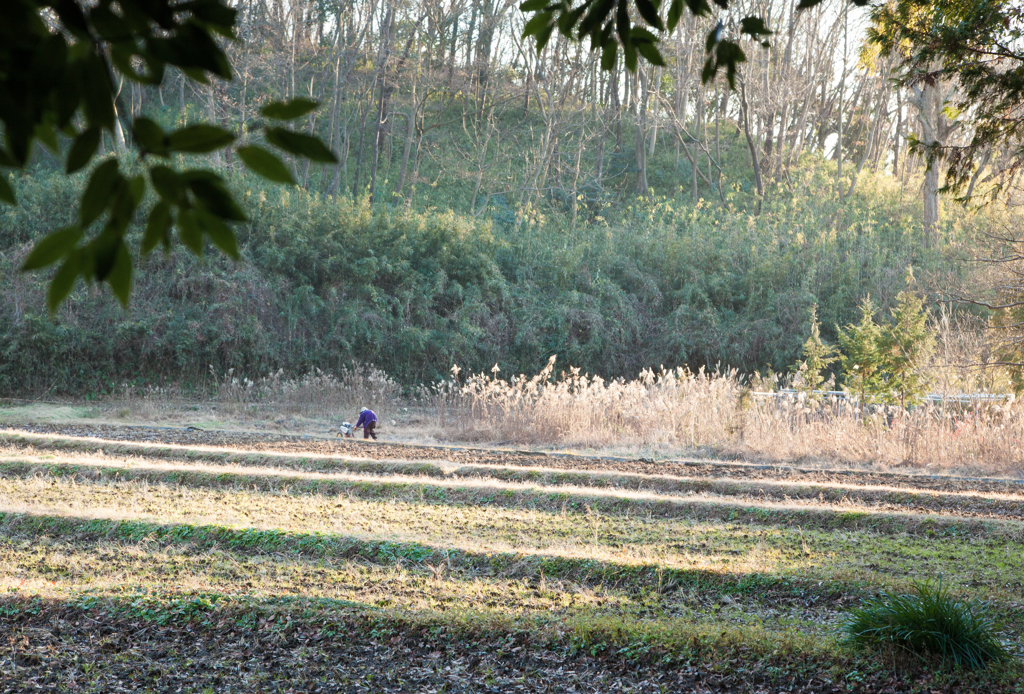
611	25
63	64
977	47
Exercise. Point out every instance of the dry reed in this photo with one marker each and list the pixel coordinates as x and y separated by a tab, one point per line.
315	394
664	407
719	412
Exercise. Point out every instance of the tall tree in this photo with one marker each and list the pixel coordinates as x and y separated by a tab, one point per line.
976	46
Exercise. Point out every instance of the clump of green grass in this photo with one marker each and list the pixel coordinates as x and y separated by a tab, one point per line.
931	623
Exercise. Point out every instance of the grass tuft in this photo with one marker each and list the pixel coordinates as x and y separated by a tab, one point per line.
931	623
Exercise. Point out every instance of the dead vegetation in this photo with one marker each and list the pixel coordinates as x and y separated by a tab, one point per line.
241	560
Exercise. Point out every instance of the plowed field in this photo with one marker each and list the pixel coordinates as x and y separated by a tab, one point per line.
157	559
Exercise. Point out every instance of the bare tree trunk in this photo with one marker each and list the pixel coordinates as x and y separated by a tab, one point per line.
977	174
415	169
481	165
359	153
931	204
576	180
332	190
751	145
935	128
453	48
718	144
410	135
119	140
641	127
654	124
842	89
211	117
385	91
896	136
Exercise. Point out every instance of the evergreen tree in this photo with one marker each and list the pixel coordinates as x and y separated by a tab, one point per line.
861	354
818	356
904	349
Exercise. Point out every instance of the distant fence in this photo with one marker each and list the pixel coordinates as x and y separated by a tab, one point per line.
934	398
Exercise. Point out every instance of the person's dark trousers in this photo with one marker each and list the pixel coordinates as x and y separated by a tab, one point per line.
368	431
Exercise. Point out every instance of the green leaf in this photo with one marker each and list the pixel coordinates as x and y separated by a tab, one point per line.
608	55
730	55
216	199
220	234
265	164
807	4
45	133
104	253
213	12
640	35
533	5
675	13
629	57
544	36
754	26
622	22
150	136
301	145
709	71
83	149
110	26
700	8
119	276
97	194
127	195
537	24
6	192
190	232
595	18
158	228
569	19
289	110
52	248
649	11
98	93
714	36
137	188
168	184
63	281
650	52
199	139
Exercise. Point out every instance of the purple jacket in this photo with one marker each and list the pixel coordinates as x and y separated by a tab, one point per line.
366	418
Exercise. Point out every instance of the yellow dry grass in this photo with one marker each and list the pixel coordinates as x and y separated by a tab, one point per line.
679	410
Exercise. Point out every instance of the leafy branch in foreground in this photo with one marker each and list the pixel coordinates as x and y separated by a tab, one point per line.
610	25
58	61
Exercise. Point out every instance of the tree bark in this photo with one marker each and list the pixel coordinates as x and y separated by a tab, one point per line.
755	160
641	139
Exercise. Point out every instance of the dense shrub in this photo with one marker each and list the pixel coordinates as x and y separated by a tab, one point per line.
933	622
326	281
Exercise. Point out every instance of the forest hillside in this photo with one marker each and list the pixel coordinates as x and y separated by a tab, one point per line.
493	205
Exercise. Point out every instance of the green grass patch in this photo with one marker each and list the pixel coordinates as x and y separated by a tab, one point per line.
933	622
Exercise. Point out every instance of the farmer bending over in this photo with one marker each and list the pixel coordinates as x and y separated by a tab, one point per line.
368	421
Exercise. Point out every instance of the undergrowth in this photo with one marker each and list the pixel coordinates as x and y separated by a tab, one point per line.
931	623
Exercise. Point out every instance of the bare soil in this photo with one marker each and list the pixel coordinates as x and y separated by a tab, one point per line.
457	455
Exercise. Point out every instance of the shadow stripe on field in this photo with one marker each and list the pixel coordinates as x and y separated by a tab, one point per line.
605	484
629	577
486	493
312	454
